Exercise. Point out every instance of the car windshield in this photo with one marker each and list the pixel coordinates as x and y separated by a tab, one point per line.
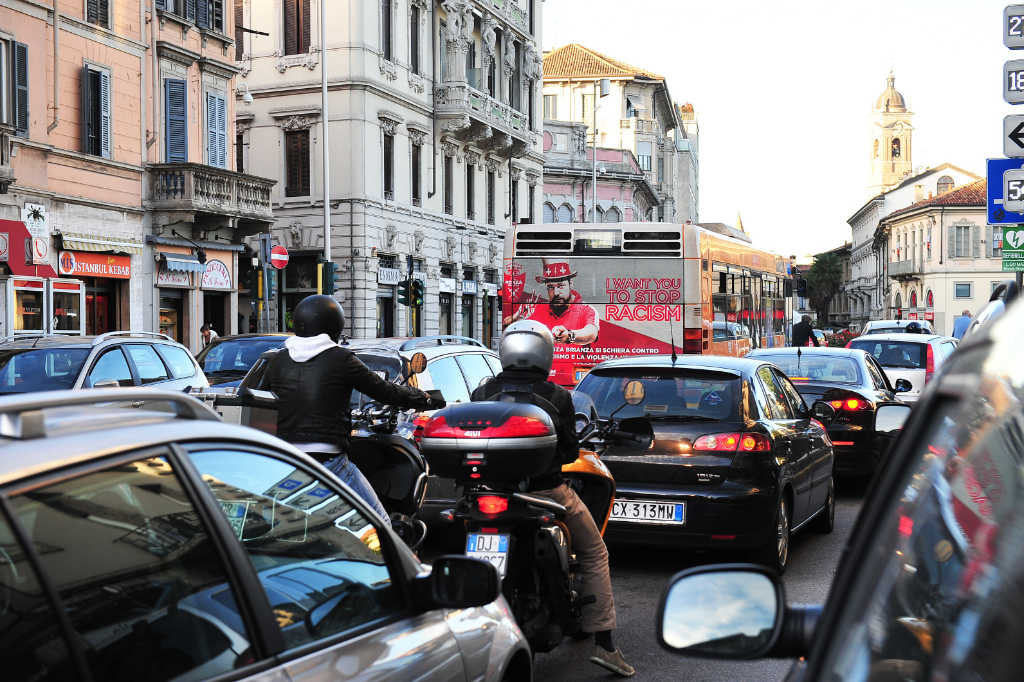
670	393
235	356
895	354
808	367
33	369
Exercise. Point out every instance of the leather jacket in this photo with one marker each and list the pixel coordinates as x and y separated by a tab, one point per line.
314	396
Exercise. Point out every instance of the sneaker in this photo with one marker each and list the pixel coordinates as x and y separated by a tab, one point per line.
612	660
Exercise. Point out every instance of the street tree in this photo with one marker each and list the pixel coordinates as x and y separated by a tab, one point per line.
824	280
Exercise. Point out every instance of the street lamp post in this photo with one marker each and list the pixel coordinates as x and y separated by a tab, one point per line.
605	88
324	138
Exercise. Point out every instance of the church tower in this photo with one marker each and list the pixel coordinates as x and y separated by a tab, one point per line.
890	148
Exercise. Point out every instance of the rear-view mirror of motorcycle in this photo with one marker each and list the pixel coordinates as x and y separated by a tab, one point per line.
458	582
635	433
418	363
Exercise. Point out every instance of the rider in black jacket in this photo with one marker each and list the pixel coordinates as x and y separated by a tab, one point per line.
314	378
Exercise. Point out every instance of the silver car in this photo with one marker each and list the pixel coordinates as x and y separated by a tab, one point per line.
914	357
159	543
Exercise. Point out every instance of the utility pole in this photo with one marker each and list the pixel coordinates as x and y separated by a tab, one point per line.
325	118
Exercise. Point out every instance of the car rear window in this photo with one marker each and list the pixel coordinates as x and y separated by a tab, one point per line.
894	354
670	393
807	367
48	369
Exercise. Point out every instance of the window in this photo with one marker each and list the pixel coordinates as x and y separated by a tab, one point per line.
442	56
385	28
587	109
962	290
995	248
148	364
98	12
210	14
296	26
414	39
239	33
96	111
178	359
216	130
960	241
175	121
444	322
447	378
186	9
930	299
319	559
778	403
389	167
944	184
796	401
530	197
612	215
468	308
417	191
385	311
517	78
470	194
529	104
631	111
549	213
913	299
296	163
490	197
661	169
643	153
551	106
514	192
239	152
111	366
560	142
565	213
449	181
128	556
896	148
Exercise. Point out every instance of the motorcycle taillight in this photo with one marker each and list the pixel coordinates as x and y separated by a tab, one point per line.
419	424
492	504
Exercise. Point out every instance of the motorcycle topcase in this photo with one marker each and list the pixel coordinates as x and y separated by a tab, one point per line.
490	442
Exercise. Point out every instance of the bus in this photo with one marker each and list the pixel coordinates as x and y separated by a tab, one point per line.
608	291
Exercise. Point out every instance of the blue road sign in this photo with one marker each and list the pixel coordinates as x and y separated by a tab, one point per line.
997	215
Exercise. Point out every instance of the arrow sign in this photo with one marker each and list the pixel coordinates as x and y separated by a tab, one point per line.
1013	136
279	257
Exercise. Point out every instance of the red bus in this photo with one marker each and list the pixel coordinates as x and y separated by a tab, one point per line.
613	290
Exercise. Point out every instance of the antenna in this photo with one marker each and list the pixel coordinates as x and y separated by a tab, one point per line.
672	338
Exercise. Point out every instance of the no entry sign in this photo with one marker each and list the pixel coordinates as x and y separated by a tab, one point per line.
279	257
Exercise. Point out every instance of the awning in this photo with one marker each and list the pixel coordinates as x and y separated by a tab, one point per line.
77	241
181	262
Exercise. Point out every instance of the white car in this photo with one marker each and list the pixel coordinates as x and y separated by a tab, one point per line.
894	326
914	357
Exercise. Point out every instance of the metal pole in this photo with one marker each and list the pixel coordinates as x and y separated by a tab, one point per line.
593	187
326	119
265	255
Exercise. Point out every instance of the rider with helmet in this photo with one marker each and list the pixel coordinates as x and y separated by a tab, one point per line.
913	328
314	379
527	351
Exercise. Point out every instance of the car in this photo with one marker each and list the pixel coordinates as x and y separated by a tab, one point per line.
737	460
913	357
931	582
54	362
1003	294
853	383
228	358
894	326
159	543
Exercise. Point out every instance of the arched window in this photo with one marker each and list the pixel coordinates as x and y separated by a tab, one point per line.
600	215
549	213
612	215
930	299
944	184
896	147
565	213
913	299
899	301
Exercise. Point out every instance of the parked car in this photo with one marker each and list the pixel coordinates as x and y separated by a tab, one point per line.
931	583
853	383
737	460
228	358
159	543
54	362
913	357
893	326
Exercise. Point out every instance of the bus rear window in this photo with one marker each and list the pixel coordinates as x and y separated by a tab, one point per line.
598	242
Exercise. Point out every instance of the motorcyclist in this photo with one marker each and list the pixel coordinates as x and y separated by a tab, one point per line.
314	379
527	351
913	328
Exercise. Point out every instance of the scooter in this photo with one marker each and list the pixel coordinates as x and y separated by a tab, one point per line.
491	448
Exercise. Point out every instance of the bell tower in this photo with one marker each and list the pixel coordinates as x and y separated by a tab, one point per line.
891	144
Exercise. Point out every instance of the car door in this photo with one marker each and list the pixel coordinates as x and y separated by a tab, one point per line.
795	468
182	366
334	581
811	436
109	366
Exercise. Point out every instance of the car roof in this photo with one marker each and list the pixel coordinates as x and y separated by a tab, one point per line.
812	350
903	336
431	346
76	341
252	335
895	323
714	362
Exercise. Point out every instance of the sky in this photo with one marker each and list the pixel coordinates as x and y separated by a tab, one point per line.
783	93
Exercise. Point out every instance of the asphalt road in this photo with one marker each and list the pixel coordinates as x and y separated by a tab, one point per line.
638	578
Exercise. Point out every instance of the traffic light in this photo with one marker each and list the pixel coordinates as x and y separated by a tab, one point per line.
403	292
328	278
801	288
416	291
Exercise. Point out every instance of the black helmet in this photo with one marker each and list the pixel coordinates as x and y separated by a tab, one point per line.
319	314
913	328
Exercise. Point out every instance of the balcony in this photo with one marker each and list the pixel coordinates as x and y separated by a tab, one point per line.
905	269
639	125
6	172
474	116
207	194
510	11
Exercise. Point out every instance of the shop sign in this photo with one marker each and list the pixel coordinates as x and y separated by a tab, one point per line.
930	316
36	221
172	278
912	316
447	285
88	264
490	289
217	275
469	286
5	246
390	276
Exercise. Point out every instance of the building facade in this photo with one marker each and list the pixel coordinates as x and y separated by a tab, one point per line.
637	115
434	145
119	204
941	257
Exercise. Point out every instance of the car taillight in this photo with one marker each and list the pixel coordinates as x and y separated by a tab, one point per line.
732	442
692	340
850	404
492	504
929	367
514	427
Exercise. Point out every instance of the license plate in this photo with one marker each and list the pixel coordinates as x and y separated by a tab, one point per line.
639	511
490	547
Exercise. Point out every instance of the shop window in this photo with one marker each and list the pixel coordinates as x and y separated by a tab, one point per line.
95	89
385	312
296	163
296	26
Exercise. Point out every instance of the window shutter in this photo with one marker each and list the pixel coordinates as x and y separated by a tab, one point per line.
291	43
989	244
105	142
304	45
217	15
175	123
86	114
161	4
21	89
239	33
203	14
951	242
976	241
190	10
211	129
92	11
222	132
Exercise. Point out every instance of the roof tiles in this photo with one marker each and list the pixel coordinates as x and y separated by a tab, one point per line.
575	61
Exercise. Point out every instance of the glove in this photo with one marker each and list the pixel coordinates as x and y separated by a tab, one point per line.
435	403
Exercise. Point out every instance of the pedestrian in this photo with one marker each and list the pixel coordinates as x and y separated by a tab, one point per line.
961	323
208	334
802	332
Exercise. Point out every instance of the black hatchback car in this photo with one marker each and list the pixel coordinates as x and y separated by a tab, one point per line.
737	460
931	584
854	384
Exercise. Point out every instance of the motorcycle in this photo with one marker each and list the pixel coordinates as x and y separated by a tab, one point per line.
491	448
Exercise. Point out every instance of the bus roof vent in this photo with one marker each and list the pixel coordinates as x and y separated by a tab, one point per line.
538	243
653	243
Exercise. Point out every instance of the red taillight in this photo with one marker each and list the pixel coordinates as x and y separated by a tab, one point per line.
906	526
418	425
731	442
514	427
438	428
492	504
692	340
850	404
518	427
929	367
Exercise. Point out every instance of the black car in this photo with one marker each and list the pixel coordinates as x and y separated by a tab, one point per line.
931	583
737	460
854	384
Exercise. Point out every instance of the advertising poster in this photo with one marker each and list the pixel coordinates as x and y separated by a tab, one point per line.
597	309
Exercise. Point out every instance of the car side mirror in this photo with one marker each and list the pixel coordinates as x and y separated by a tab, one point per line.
823	412
458	582
890	418
902	386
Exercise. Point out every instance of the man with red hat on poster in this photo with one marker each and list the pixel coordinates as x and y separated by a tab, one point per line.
566	315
